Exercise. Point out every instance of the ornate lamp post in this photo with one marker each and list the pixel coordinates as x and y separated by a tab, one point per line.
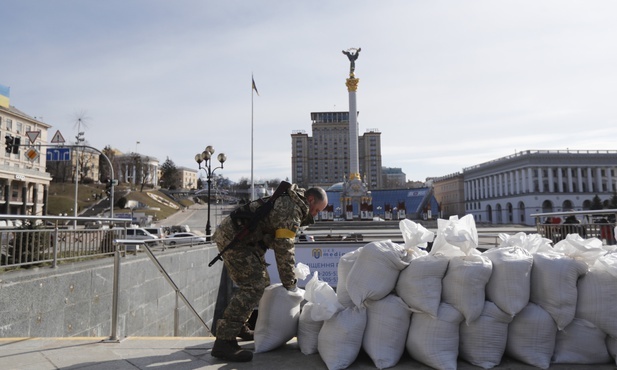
206	157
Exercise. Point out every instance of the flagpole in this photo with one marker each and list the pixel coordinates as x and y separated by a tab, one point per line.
252	180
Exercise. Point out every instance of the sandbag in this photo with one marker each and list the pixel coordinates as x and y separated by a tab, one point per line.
345	264
387	325
277	322
323	297
434	341
464	284
581	342
554	278
597	295
308	330
456	237
340	338
419	284
510	283
375	272
483	342
531	336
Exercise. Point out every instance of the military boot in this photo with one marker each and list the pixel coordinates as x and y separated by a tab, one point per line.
246	333
230	350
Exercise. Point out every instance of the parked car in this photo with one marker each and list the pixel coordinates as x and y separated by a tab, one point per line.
184	238
156	231
137	233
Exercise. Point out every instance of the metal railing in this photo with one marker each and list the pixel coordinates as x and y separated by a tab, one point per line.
588	224
39	240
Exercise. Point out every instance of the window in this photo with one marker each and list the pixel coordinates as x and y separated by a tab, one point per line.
9	124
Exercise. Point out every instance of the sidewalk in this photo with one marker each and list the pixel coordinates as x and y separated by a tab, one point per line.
184	354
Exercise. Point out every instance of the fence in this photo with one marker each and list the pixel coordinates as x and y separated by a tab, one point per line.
588	224
35	240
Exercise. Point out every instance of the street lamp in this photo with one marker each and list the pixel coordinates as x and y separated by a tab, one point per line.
206	157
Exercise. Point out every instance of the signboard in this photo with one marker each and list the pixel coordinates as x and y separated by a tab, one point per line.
33	135
318	257
58	154
58	138
32	154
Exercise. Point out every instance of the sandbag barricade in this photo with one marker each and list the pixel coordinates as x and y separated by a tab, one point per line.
525	299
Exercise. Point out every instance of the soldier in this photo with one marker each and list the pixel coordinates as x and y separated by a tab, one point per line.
246	265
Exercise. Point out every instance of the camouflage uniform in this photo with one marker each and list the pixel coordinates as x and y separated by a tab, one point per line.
246	264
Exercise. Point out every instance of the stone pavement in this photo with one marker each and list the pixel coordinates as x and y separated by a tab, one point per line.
181	353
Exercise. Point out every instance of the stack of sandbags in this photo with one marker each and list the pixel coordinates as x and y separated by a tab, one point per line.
277	322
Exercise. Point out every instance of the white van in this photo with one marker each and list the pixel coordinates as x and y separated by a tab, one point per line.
137	233
156	231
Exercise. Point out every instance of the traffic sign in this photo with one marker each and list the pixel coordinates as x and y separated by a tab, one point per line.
33	135
58	138
32	154
58	154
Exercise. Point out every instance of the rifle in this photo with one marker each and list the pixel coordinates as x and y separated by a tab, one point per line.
259	214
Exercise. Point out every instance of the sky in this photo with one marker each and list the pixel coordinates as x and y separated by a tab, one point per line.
449	84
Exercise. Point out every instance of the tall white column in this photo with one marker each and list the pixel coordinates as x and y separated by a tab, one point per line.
540	180
589	181
609	179
530	187
551	183
570	182
598	180
579	179
354	167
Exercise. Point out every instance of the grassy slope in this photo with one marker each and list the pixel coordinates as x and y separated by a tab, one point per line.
62	199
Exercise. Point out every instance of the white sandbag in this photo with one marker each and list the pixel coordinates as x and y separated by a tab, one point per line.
456	237
435	341
597	295
611	345
531	336
575	246
375	272
345	264
510	282
308	330
321	294
553	285
415	235
419	284
483	342
340	338
387	324
277	322
464	284
580	342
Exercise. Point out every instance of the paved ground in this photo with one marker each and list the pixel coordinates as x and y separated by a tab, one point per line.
183	354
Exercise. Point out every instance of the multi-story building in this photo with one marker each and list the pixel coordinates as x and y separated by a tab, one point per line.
189	177
24	184
323	159
509	189
137	169
393	178
449	192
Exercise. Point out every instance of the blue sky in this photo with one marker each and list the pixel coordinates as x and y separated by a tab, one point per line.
449	84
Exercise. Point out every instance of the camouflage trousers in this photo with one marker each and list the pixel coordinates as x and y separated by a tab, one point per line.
246	266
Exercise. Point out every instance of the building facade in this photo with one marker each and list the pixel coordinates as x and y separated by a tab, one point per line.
323	158
393	178
449	192
24	184
509	190
136	169
189	177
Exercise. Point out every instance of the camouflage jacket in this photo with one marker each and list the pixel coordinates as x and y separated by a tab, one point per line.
276	231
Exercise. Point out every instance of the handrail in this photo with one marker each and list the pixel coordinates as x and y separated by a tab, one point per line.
157	263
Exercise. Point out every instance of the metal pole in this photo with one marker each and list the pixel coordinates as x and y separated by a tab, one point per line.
208	237
116	292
